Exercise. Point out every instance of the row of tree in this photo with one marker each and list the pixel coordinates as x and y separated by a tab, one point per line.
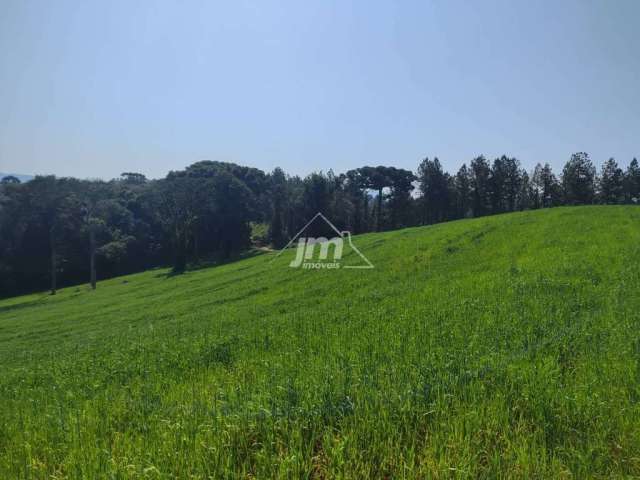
504	186
64	231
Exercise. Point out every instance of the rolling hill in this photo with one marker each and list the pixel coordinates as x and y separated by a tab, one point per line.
505	346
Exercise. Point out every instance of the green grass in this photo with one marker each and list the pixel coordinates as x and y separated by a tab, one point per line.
506	346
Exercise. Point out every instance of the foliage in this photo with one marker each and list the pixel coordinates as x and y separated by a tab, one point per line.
578	180
51	227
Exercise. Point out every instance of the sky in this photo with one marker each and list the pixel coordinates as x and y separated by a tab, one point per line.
94	88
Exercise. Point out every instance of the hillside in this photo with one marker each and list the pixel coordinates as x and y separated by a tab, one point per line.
499	346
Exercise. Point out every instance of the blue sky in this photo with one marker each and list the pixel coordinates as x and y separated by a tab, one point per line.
92	89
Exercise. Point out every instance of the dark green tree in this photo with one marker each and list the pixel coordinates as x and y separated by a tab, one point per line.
178	208
611	183
632	183
505	183
133	178
526	194
355	186
433	183
578	180
376	179
550	189
277	230
513	180
463	194
400	205
54	206
480	176
234	205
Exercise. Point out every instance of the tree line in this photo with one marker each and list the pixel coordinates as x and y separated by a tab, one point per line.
62	231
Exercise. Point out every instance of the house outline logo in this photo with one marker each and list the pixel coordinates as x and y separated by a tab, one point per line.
306	248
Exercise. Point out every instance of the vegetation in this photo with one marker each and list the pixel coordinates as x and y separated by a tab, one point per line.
505	346
66	231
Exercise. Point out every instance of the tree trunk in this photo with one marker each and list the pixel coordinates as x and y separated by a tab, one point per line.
378	219
180	263
180	259
54	266
92	256
366	225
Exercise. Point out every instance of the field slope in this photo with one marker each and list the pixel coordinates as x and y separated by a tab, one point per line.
506	346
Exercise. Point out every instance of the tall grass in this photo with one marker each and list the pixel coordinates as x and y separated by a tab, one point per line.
496	347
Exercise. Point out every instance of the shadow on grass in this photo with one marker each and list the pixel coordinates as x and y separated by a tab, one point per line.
214	261
20	306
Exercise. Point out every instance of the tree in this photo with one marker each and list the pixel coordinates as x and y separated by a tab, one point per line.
342	204
316	198
480	176
505	183
462	187
376	178
254	179
526	194
536	187
233	203
611	183
54	206
178	207
93	193
433	182
116	233
401	186
549	187
578	180
277	232
14	216
132	223
632	183
133	178
497	181
91	223
513	182
10	179
354	185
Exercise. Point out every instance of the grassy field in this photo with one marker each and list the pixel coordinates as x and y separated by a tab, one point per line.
506	346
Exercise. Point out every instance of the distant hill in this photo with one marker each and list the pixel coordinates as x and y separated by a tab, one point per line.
19	176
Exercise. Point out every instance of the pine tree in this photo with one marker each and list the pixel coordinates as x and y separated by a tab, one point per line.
578	180
536	187
462	186
277	232
611	183
480	187
551	190
512	182
632	183
497	185
434	187
525	196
